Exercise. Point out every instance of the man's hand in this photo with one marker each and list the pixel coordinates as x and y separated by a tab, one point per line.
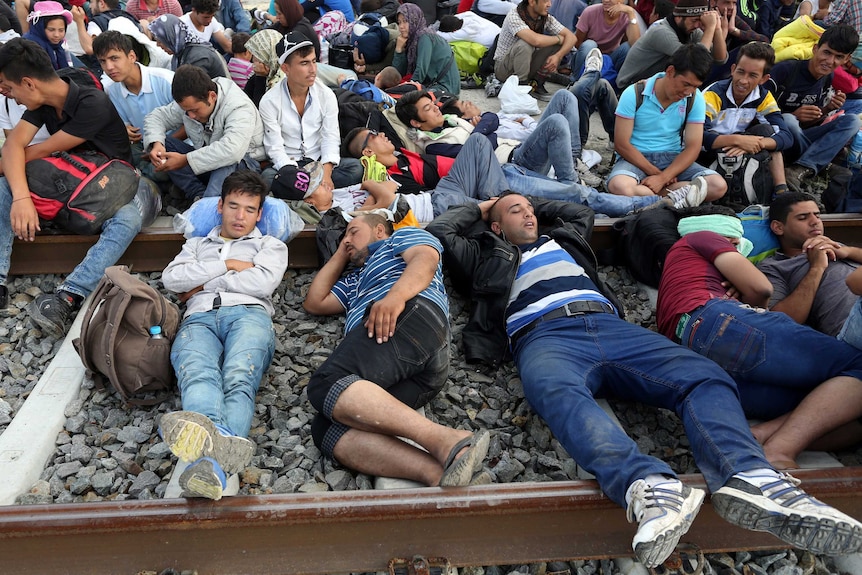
25	220
238	265
838	99
745	145
621	9
383	317
731	20
808	113
710	20
732	292
78	14
187	295
171	161
134	133
551	63
157	154
656	183
326	183
485	207
819	250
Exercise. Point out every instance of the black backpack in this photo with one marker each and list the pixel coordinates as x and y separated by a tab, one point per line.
644	240
748	178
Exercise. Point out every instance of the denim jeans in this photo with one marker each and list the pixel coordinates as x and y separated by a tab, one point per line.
220	357
565	363
774	361
205	184
546	146
475	176
818	145
117	233
660	160
530	183
412	366
852	331
595	94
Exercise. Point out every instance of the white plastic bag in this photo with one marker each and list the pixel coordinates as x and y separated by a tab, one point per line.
515	99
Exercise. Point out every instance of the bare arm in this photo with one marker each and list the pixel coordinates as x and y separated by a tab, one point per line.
819	251
320	300
854	281
752	285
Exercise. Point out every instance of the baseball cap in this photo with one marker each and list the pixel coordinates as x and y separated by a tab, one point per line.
291	42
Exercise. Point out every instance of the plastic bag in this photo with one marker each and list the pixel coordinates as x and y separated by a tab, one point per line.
277	220
148	200
515	99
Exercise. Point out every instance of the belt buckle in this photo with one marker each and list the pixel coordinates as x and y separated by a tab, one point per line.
570	312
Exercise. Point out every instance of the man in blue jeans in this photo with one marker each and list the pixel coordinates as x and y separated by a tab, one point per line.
75	116
540	297
226	342
394	358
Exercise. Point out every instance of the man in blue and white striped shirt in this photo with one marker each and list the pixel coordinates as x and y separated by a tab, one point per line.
394	358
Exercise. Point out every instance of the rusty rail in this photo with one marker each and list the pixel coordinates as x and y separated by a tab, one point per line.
359	530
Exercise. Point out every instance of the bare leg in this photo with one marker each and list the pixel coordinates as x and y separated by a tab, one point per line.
386	456
623	185
365	406
776	168
830	405
716	187
846	436
765	429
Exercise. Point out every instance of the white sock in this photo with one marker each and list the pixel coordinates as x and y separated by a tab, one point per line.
759	477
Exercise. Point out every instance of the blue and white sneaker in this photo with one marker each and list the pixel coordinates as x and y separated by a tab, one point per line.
664	512
774	503
192	435
203	478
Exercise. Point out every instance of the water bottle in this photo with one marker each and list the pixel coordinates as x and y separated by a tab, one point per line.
854	156
156	332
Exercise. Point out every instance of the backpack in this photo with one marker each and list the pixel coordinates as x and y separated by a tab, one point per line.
371	39
644	240
81	76
115	342
748	178
467	56
80	190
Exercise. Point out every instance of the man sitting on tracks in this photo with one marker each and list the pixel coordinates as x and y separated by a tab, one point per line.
394	358
75	116
540	296
225	342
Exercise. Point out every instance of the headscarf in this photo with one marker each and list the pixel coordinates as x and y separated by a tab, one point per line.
415	18
727	226
56	52
262	46
173	33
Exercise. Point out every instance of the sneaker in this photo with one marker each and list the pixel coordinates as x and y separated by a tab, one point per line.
51	312
795	174
192	436
664	513
587	177
691	195
779	507
594	62
539	92
558	78
470	82
203	478
492	86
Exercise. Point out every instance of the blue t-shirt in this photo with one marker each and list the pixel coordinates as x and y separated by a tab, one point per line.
657	129
384	266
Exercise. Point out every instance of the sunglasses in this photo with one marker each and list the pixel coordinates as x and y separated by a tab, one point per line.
371	133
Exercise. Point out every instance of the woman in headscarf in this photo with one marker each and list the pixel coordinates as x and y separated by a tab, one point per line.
421	52
267	71
174	37
48	22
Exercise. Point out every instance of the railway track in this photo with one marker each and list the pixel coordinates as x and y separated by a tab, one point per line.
350	531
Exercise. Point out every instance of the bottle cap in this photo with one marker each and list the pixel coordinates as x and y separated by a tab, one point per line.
156	330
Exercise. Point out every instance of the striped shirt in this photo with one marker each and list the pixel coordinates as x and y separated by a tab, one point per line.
383	267
547	278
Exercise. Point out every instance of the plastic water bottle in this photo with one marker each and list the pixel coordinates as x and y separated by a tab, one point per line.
854	157
156	332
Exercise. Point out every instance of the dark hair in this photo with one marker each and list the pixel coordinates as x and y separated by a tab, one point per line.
299	53
351	137
842	38
389	76
190	80
245	182
237	42
664	8
450	23
450	106
111	40
292	12
493	215
708	210
111	4
758	51
694	58
21	58
367	6
405	107
47	19
781	206
205	6
374	220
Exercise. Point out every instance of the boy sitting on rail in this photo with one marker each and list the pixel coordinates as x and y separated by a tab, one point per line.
226	342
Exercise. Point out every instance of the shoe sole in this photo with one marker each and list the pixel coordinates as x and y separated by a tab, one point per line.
192	435
666	542
461	471
43	322
820	535
201	481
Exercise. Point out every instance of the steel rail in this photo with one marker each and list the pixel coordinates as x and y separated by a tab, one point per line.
357	531
156	246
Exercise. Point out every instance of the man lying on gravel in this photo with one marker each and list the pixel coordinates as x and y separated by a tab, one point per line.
226	342
394	358
540	297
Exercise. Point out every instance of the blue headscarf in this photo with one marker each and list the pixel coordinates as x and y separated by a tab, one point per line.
56	52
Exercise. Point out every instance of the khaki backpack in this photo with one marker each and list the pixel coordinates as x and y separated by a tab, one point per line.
115	341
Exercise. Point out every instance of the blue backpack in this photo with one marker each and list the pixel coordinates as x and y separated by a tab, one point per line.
373	41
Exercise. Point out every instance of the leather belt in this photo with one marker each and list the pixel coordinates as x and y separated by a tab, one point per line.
572	309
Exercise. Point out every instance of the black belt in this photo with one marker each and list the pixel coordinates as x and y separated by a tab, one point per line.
217	303
572	309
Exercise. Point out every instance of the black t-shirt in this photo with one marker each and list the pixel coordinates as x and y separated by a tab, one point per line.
794	86
89	114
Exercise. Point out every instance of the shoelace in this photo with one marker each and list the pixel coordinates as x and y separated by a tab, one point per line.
645	497
785	491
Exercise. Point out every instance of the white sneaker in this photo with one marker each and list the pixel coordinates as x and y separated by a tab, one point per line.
594	61
691	195
587	177
664	513
779	507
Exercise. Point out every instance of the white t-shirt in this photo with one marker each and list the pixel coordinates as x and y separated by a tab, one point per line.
353	197
10	115
214	26
474	29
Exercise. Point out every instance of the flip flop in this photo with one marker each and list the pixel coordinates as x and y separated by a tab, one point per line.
459	472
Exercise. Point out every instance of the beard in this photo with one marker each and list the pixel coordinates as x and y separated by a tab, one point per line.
359	256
